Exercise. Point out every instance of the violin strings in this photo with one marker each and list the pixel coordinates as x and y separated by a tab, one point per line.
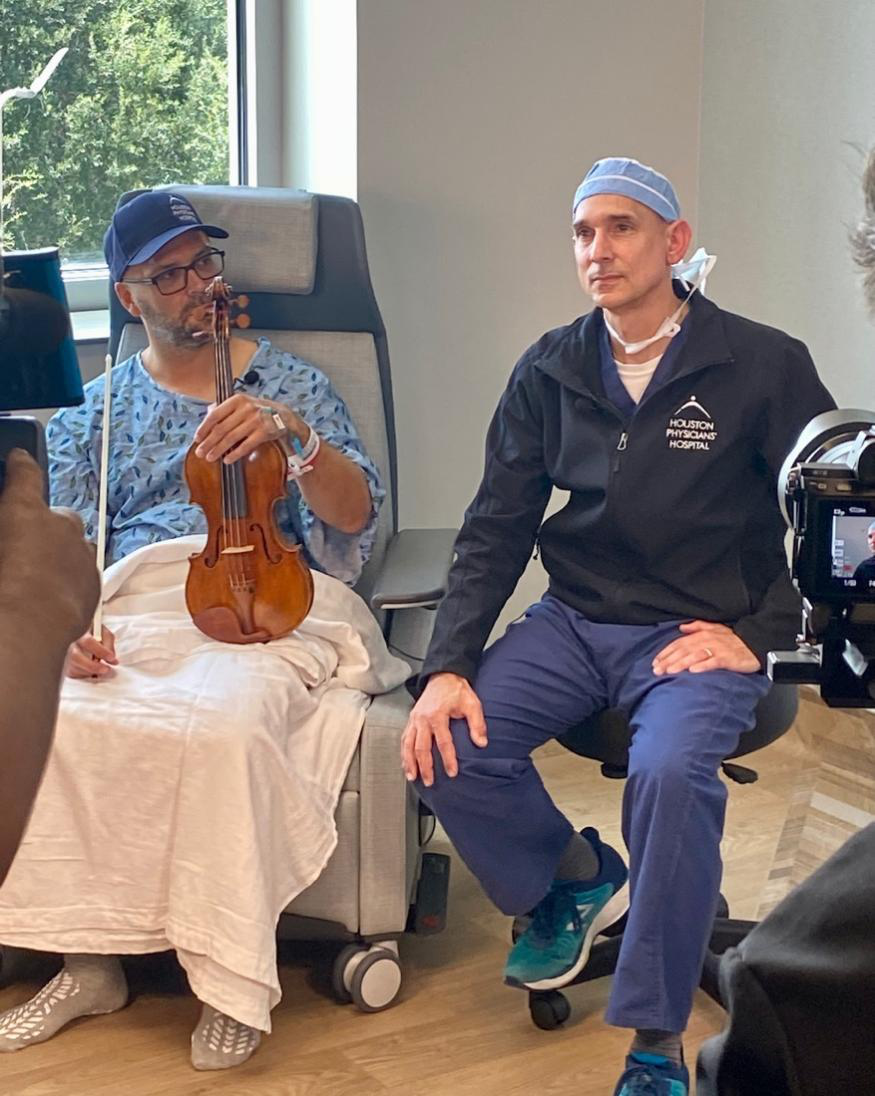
230	494
241	503
232	471
234	500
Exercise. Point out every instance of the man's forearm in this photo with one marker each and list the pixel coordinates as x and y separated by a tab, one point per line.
336	490
31	668
492	551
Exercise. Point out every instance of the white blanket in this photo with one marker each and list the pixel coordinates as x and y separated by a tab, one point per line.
189	798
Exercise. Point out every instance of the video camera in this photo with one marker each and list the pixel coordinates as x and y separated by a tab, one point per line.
827	495
38	364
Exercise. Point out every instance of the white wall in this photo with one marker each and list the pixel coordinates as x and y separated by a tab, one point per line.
476	121
789	87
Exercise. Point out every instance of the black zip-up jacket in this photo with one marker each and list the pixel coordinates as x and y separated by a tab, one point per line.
673	513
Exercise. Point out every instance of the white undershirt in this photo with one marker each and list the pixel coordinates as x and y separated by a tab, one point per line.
636	377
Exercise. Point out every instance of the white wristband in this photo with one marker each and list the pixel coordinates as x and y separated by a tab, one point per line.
301	462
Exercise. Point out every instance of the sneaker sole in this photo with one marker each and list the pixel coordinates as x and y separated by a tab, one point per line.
611	912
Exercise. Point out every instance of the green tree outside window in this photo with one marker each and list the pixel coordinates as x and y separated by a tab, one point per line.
141	99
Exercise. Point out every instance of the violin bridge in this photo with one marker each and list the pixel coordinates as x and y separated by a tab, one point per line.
235	550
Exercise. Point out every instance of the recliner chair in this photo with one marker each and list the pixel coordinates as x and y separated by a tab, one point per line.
605	738
301	260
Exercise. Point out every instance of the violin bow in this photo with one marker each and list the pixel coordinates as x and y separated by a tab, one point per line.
97	625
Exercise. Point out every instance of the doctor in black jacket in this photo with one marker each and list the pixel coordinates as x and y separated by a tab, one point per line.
667	420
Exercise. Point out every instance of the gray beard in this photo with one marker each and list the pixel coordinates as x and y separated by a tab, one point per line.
173	333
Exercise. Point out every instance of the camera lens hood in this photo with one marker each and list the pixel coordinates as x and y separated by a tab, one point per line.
829	438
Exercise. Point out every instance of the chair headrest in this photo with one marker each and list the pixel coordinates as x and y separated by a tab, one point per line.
272	234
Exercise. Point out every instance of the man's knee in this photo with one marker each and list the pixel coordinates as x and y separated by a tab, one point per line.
433	794
481	771
672	768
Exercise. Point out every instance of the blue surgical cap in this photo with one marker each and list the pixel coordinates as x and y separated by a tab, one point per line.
620	175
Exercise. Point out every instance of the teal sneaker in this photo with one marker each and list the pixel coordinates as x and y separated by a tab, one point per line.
652	1075
555	946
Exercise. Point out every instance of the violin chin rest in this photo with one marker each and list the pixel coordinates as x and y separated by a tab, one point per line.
221	624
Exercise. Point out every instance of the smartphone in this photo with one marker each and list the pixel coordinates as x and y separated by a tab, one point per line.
24	432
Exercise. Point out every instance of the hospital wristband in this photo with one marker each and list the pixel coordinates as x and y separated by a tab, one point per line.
299	458
301	461
307	452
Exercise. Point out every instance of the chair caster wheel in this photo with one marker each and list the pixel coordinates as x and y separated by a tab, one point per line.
341	972
549	1010
376	981
369	977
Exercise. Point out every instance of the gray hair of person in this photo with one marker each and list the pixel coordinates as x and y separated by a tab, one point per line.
863	236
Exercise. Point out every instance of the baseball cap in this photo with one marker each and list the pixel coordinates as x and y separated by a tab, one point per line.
145	224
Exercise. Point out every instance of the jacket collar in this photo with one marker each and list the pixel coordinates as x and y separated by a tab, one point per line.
575	360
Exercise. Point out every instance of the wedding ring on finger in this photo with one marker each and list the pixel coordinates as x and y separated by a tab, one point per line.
708	652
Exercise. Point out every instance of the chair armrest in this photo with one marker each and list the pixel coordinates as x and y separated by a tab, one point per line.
414	574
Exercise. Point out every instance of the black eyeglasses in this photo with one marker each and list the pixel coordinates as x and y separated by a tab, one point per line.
175	279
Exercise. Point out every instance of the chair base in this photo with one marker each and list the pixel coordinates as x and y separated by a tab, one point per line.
550	1009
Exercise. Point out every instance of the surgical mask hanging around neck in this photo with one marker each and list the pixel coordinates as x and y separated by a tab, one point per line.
699	266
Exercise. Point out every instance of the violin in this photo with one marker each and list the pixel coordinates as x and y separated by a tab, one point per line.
248	585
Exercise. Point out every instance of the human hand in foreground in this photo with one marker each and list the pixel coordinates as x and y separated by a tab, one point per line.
47	569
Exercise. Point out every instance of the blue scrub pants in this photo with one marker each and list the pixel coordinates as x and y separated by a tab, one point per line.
549	672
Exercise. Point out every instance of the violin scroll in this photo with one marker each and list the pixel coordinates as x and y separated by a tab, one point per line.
219	292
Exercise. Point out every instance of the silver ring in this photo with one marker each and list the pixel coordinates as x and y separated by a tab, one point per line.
275	417
709	652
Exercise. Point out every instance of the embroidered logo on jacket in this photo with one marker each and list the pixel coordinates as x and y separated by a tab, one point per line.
690	427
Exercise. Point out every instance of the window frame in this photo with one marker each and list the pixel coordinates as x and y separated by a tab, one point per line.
87	283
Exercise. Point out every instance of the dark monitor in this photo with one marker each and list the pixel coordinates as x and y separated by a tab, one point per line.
38	363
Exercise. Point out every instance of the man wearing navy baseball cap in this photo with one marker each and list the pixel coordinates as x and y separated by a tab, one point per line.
142	226
666	419
162	259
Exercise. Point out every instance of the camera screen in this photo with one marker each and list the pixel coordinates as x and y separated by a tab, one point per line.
853	548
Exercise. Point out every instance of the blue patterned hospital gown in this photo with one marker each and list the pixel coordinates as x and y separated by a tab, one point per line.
151	432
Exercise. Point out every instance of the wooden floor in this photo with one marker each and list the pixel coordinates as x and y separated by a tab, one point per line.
457	1029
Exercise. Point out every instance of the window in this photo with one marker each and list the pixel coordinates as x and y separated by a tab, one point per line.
141	99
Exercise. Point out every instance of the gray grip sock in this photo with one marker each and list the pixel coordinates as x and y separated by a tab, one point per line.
666	1043
218	1042
579	860
88	985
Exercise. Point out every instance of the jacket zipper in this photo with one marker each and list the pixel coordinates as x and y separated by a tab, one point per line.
621	448
624	436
